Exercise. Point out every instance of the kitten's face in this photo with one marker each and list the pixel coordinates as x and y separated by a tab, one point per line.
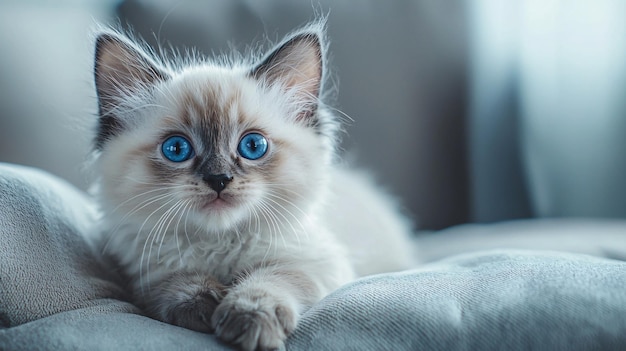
222	147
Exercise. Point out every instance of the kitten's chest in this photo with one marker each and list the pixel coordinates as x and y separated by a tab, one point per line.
147	257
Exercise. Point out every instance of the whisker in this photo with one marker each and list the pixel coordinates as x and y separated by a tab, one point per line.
281	187
275	220
176	232
271	234
143	252
158	232
178	207
186	221
295	232
143	204
295	207
140	206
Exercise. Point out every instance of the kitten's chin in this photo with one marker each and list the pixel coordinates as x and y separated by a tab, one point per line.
219	215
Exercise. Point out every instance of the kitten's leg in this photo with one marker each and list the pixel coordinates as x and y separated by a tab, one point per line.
186	299
263	307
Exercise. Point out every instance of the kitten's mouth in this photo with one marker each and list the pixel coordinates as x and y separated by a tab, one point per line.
216	204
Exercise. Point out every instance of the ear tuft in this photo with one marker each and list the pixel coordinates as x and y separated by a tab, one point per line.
121	69
297	64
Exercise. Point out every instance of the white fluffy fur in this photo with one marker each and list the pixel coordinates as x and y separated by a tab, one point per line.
279	246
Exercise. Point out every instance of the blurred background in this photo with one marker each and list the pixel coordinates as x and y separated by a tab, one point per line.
468	111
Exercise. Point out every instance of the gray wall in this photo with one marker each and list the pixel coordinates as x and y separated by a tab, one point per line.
477	111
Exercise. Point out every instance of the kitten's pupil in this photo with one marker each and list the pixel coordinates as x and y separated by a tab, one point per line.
176	148
251	145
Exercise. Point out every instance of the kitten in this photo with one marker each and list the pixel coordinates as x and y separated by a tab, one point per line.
221	199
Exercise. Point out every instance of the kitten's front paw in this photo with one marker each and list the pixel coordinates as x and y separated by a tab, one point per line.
254	320
188	303
195	313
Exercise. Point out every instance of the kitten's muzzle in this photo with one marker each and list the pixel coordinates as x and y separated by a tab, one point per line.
217	182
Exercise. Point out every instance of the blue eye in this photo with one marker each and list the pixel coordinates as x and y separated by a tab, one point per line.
177	149
252	146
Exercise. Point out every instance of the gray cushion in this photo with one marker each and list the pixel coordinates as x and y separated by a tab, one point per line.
55	295
498	300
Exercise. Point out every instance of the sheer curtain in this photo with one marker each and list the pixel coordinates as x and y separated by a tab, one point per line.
548	113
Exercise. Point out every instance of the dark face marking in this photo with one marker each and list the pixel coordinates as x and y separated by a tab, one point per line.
120	67
209	121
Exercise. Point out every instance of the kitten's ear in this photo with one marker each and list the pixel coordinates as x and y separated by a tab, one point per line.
297	63
121	69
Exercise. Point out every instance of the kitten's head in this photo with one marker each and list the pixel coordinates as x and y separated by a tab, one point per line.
217	144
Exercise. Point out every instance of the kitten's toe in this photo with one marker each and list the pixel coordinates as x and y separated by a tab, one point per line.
254	322
187	301
195	313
